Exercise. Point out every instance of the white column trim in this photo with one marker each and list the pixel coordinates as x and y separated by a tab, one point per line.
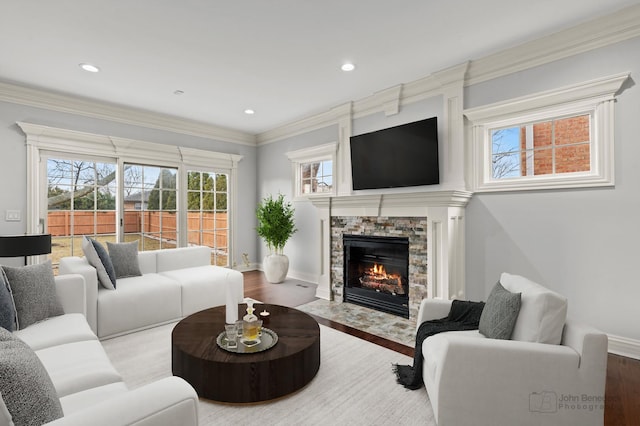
444	211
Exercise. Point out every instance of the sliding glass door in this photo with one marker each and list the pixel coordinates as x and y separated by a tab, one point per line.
81	200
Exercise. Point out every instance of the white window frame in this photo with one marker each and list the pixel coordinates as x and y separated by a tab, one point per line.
312	155
44	140
594	97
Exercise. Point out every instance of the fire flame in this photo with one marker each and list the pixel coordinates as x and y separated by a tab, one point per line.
378	270
376	277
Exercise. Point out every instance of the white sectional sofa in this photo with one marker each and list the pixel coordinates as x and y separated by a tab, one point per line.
551	372
90	390
174	283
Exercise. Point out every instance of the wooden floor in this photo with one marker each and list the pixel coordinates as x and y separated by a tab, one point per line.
623	374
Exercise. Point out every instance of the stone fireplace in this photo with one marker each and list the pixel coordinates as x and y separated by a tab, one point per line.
412	229
432	224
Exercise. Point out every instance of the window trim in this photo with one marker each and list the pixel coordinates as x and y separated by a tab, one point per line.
317	153
43	140
595	97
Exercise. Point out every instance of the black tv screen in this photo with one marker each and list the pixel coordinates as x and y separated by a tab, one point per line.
405	155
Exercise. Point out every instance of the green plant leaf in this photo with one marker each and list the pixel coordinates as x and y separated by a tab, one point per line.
275	222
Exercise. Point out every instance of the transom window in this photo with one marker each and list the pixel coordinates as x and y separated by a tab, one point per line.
561	138
317	176
314	170
549	147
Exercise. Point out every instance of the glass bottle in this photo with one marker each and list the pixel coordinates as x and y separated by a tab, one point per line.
250	326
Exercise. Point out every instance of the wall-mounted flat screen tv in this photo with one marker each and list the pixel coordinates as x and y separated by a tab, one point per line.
404	155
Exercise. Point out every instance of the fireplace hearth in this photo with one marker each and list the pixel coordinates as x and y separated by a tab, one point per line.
376	271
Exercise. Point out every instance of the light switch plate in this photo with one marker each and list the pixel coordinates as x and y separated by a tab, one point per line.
13	216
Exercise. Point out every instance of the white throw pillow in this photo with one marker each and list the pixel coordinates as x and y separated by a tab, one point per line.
543	312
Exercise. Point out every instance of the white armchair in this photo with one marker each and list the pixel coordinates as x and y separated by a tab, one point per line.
473	380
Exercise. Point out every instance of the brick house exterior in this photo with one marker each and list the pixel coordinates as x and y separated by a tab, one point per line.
571	148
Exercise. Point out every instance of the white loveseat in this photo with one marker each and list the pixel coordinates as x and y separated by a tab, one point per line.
174	283
90	390
552	371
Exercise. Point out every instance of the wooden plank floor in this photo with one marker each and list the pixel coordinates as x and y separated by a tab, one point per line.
623	374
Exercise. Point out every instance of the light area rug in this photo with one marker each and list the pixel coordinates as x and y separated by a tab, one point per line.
354	386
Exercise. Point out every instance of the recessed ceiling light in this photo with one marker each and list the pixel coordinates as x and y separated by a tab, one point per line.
348	67
89	67
249	111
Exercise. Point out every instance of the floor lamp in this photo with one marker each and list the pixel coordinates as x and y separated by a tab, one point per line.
25	245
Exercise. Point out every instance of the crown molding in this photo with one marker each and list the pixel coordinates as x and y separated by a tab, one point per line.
49	100
600	32
619	26
305	125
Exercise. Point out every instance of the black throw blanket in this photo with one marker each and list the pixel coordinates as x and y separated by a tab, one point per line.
463	315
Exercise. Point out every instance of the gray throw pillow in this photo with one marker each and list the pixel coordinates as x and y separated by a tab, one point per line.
34	292
500	313
8	314
102	262
27	390
124	257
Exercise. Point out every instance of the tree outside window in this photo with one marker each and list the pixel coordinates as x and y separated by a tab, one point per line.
207	217
81	200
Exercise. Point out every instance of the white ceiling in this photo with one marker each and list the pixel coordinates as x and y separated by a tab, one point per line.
279	57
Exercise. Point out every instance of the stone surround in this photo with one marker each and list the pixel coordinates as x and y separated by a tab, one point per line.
413	228
433	220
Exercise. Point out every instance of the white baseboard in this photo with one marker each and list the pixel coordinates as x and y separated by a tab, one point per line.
624	346
303	276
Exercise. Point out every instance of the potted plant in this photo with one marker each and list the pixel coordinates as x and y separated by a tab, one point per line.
275	227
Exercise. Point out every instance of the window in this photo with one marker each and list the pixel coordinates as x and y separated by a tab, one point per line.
549	147
119	189
208	213
150	210
313	170
557	139
316	177
81	200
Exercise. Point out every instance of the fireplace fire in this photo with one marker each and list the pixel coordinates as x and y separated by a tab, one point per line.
377	278
376	271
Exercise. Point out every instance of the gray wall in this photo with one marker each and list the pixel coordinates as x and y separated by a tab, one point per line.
13	163
275	177
581	243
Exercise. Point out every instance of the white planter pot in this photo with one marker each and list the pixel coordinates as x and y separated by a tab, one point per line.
275	267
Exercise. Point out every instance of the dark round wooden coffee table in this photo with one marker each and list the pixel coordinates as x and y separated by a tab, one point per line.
229	377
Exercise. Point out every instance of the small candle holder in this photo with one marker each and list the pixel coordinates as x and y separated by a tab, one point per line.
265	315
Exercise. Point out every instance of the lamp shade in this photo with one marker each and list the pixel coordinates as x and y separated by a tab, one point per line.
25	245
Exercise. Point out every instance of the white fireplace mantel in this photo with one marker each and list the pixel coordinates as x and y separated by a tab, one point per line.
444	210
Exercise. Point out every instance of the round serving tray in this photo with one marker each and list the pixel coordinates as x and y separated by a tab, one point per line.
268	339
